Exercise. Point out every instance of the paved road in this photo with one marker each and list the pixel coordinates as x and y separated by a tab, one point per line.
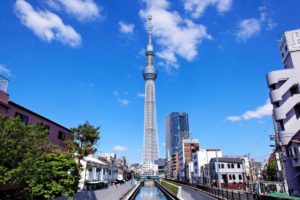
188	193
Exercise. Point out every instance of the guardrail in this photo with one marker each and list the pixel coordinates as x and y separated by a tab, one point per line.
220	193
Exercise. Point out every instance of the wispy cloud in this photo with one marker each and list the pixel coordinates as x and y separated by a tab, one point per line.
46	25
124	101
142	95
251	27
257	113
176	35
4	70
248	28
126	28
120	148
82	10
198	7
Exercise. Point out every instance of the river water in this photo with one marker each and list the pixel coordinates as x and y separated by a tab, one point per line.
150	193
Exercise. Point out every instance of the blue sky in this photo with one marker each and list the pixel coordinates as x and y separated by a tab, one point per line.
76	60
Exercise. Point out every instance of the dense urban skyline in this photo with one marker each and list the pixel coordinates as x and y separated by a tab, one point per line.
73	65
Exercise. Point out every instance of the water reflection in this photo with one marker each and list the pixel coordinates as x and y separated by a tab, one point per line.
150	193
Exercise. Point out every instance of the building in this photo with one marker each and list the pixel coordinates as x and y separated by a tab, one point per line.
176	129
227	172
285	98
161	166
57	133
185	155
175	165
150	144
96	173
200	159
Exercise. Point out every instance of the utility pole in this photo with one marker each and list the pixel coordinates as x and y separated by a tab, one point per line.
219	183
279	157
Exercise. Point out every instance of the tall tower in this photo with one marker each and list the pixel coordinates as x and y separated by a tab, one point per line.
150	146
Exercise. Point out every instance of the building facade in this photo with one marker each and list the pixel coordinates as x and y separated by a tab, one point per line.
284	88
57	133
176	129
227	172
150	144
200	159
185	156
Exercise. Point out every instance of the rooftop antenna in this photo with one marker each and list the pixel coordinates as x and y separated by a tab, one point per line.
150	28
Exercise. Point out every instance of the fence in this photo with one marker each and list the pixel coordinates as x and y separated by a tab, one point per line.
220	193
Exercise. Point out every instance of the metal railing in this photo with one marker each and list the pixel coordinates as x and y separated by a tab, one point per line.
220	193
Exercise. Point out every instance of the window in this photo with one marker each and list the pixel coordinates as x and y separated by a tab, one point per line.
238	165
222	166
228	165
23	118
61	135
233	176
240	177
281	124
196	171
297	111
232	165
294	90
230	177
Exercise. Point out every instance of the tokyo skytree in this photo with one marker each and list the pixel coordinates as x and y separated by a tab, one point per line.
150	145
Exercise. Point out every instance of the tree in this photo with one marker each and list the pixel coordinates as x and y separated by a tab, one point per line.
86	136
271	171
30	163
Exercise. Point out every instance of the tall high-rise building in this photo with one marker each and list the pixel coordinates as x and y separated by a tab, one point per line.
176	130
150	146
285	96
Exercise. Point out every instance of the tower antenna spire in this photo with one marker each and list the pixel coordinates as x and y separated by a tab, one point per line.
150	28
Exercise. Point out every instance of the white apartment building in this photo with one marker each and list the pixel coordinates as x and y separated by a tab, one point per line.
229	172
200	159
285	97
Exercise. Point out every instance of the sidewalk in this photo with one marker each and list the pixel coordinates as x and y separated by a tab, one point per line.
113	192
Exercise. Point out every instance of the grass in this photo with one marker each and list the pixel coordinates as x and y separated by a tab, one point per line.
169	186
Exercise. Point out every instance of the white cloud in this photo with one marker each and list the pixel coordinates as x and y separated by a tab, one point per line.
4	70
251	27
141	95
176	35
82	10
198	7
120	148
46	25
248	28
126	28
124	101
259	112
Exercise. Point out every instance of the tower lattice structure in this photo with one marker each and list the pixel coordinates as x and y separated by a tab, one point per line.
150	144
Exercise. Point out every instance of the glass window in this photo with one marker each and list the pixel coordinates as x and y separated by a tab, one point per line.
232	165
228	165
233	177
230	177
61	135
240	177
238	165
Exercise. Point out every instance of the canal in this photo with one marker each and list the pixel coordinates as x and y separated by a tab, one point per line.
150	193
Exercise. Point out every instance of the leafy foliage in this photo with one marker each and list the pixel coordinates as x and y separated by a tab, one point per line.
272	171
87	136
28	161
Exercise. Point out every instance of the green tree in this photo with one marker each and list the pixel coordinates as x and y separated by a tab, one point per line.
86	136
272	171
28	161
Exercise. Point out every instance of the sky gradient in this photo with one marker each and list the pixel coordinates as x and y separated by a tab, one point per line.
75	60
